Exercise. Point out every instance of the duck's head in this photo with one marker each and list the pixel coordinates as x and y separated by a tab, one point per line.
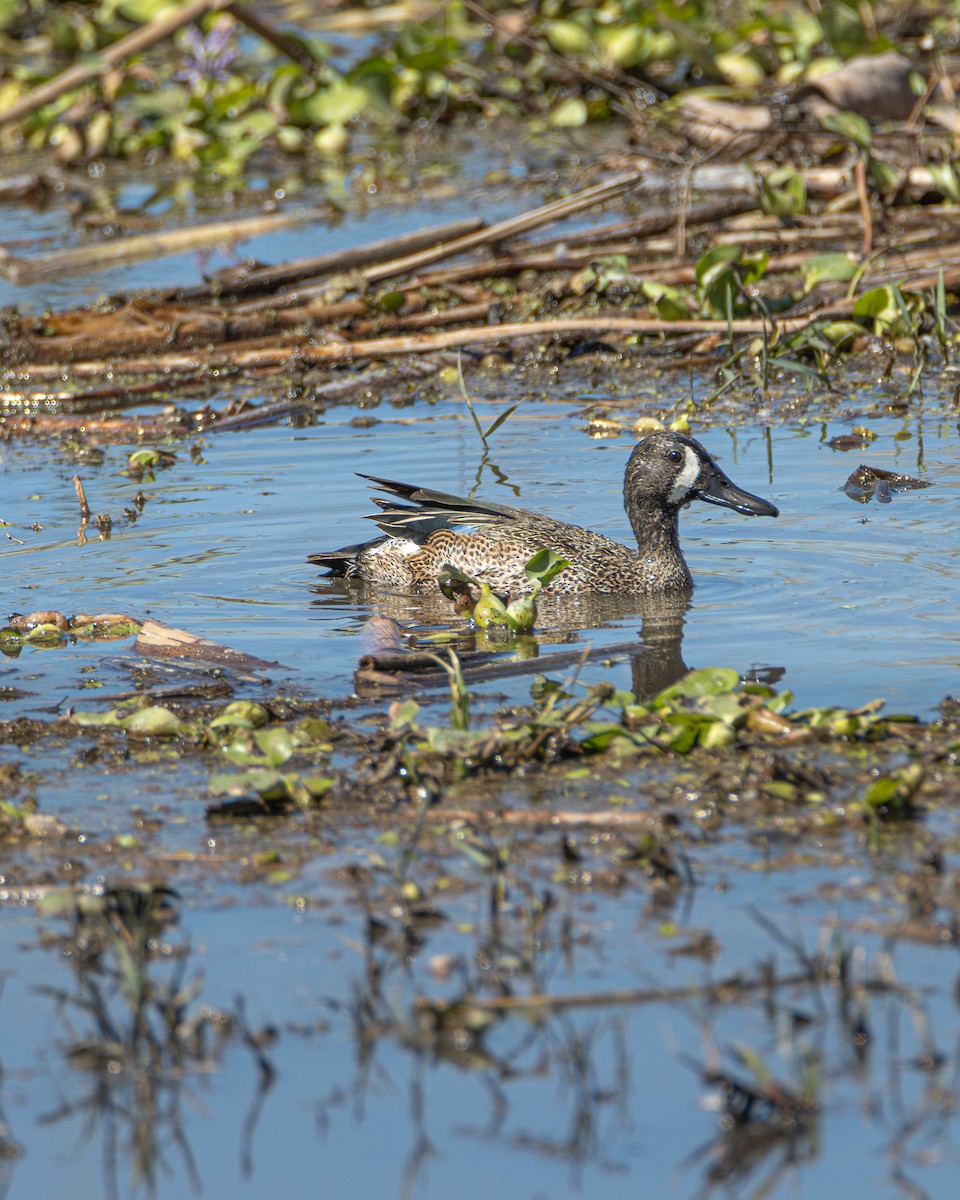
668	470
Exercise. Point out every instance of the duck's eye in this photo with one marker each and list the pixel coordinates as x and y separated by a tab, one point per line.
675	455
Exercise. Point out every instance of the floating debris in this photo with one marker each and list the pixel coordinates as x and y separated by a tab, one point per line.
867	482
858	437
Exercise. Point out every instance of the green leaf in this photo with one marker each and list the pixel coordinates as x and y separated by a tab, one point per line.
570	113
241	714
714	262
709	681
155	721
336	104
544	566
834	268
567	37
626	45
945	178
783	192
317	785
717	735
276	743
88	720
391	302
670	303
849	125
495	425
268	785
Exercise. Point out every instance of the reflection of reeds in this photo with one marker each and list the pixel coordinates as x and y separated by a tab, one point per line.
134	1031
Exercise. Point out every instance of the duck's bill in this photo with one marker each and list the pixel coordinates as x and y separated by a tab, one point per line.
715	488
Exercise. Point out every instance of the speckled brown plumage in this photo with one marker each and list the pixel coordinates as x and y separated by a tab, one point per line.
493	542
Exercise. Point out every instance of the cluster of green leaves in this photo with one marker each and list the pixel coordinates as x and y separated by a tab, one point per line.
213	100
708	709
47	635
246	737
742	46
493	614
218	94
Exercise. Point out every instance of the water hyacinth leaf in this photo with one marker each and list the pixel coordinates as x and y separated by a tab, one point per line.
44	634
708	681
150	456
783	192
716	736
268	785
711	264
833	268
314	732
453	582
403	714
489	609
568	37
601	734
946	180
726	707
242	714
893	795
755	266
670	303
154	721
544	566
88	720
522	612
337	104
569	114
390	302
317	785
838	333
626	45
740	69
881	305
613	271
887	178
849	125
277	744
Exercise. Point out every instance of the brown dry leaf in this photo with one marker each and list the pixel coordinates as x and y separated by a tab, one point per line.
873	85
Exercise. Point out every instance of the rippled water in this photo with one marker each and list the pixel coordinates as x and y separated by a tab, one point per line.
848	601
851	600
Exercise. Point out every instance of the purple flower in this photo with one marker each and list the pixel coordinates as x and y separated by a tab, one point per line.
207	58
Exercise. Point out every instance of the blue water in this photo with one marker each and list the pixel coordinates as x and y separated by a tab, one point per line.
853	601
848	601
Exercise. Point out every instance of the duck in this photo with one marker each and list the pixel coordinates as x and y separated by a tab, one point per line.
425	530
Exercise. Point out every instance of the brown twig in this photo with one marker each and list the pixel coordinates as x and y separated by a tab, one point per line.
99	256
860	178
268	279
310	353
293	49
514	226
82	497
399	671
730	988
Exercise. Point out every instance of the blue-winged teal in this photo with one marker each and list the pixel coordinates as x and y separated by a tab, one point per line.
493	542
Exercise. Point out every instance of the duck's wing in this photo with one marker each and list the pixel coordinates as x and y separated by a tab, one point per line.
427	510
